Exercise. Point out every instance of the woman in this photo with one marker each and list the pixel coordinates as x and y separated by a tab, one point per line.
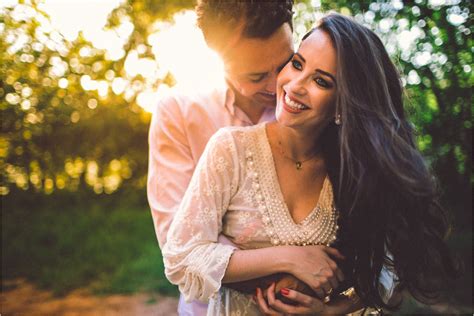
341	148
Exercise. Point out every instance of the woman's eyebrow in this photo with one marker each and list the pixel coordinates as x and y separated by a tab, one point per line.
299	55
286	62
326	74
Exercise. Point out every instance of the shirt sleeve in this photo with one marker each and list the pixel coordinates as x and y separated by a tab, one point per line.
170	165
193	257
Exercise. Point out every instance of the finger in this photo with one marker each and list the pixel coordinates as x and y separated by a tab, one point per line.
333	282
332	267
262	304
326	286
339	275
271	293
287	309
271	299
333	273
329	279
320	286
305	302
333	252
319	293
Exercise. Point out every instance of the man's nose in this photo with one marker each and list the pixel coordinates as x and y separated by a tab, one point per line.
271	83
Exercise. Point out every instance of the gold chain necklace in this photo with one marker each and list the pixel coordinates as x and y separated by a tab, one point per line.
298	163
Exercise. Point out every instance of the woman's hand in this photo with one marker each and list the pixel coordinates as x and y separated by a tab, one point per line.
288	281
315	266
305	305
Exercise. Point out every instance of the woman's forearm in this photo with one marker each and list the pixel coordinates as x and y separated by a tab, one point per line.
310	264
255	263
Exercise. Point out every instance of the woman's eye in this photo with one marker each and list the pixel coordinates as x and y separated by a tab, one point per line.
323	83
296	64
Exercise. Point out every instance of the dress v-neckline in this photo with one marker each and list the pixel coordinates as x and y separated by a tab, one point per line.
319	227
277	187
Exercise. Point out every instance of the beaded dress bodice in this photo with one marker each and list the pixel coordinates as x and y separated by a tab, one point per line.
261	190
235	193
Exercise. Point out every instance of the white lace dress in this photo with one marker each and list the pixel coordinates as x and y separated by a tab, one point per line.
235	192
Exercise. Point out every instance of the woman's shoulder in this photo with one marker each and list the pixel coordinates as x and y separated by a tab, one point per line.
240	136
241	131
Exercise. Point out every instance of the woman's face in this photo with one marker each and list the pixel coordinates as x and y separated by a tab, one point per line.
306	87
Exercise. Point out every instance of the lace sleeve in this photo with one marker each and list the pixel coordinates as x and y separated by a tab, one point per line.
194	260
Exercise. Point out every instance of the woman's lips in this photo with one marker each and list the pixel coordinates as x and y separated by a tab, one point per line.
295	107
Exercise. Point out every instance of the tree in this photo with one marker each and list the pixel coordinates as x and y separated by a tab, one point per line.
70	118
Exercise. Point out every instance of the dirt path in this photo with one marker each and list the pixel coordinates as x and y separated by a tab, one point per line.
21	298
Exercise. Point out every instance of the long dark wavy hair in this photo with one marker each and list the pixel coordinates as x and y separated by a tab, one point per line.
384	192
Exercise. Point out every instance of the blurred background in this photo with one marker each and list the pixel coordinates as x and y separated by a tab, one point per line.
78	80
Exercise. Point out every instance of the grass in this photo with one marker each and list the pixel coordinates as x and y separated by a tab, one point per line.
110	250
109	247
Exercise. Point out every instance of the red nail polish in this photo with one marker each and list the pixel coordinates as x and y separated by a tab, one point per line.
285	291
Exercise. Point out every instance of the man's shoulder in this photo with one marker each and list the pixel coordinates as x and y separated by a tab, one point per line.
185	101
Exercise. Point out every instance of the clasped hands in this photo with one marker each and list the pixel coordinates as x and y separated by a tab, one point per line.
290	296
304	286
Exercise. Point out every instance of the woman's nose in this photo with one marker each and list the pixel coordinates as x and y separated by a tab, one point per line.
297	85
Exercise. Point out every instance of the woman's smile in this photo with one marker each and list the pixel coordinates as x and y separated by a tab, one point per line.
293	106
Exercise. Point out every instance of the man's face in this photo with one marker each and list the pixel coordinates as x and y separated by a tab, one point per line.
252	66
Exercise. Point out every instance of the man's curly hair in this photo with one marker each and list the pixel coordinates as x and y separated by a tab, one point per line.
261	18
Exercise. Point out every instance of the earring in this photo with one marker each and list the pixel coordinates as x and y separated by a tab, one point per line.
338	119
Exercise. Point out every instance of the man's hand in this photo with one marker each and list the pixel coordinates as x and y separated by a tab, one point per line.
316	266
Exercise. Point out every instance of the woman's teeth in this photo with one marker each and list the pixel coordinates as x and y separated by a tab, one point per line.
294	105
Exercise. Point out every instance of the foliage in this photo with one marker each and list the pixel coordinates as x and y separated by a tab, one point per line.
102	245
431	42
70	120
71	125
70	114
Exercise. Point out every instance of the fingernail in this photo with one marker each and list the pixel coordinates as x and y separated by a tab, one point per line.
285	291
254	298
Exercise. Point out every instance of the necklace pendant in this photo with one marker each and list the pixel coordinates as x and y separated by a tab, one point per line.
298	165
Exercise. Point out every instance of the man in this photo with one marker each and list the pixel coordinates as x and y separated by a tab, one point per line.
254	39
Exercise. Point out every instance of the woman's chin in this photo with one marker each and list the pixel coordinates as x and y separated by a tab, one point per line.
284	121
